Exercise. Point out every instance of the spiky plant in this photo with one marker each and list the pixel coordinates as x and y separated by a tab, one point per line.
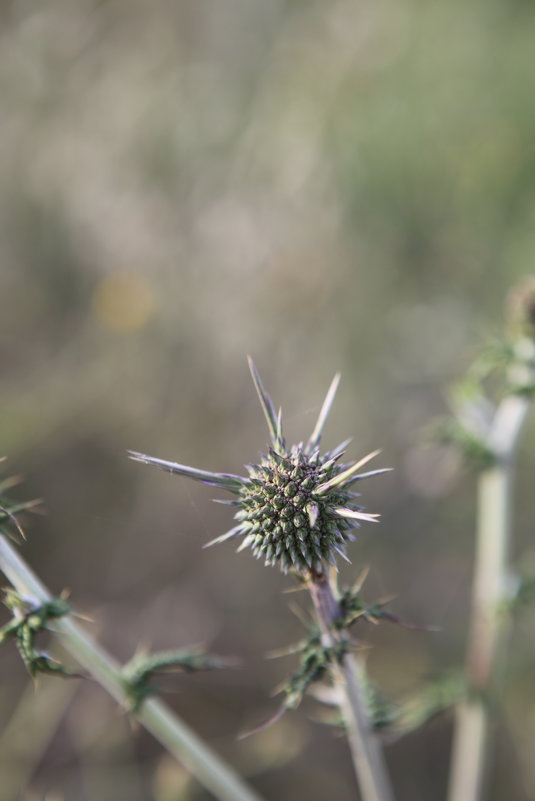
297	507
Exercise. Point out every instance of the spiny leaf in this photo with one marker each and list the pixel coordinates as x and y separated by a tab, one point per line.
420	707
353	608
138	672
314	663
29	618
473	448
9	509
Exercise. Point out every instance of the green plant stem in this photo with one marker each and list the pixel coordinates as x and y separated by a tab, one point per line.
366	751
488	628
167	728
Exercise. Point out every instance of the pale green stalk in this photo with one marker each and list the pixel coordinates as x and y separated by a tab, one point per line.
172	733
366	751
488	628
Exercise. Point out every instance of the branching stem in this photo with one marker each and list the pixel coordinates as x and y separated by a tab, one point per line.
488	628
365	747
176	737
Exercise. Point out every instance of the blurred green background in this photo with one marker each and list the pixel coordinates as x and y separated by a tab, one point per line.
328	186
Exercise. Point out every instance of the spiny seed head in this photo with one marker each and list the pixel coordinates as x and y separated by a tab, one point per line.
285	513
296	508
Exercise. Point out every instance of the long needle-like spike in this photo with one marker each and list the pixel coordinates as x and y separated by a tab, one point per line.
340	448
280	438
345	476
369	474
315	437
226	480
10	481
342	554
234	532
10	516
351	513
246	542
266	724
363	575
266	403
288	650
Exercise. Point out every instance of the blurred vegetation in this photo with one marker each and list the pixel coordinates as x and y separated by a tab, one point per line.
329	186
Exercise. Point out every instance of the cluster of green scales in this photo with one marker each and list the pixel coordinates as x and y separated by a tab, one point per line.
296	508
284	516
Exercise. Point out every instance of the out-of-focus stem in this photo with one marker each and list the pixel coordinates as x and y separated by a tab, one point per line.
488	628
29	732
166	727
366	751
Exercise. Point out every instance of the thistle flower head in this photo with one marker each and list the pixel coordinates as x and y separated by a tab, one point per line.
296	508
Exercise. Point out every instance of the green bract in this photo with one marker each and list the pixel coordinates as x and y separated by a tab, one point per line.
296	508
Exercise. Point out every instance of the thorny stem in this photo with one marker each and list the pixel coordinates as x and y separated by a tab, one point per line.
178	739
365	747
488	628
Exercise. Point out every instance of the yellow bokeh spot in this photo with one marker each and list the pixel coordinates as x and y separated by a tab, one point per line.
123	301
